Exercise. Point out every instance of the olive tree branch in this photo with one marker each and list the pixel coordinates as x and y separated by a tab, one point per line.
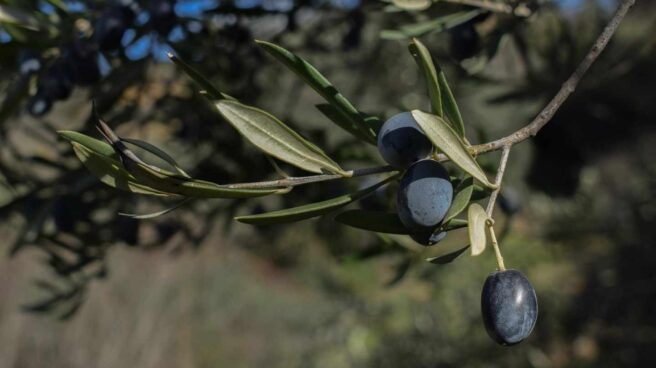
300	180
520	10
504	143
565	91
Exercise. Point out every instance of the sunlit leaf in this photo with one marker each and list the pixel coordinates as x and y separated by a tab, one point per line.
412	5
310	210
425	62
461	198
320	84
101	159
447	258
273	137
477	228
446	140
110	172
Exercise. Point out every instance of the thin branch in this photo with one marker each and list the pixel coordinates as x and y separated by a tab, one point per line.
497	180
565	91
520	10
518	136
300	180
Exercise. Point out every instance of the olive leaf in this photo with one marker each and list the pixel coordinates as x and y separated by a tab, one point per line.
451	109
412	5
477	228
157	152
434	25
446	140
103	164
319	83
447	258
275	138
312	209
461	198
156	214
424	60
334	115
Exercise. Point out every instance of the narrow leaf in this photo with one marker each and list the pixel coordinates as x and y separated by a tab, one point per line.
380	222
412	5
110	172
334	115
477	228
447	140
425	62
272	136
310	210
450	105
461	198
102	160
319	83
155	214
434	25
197	77
447	258
157	152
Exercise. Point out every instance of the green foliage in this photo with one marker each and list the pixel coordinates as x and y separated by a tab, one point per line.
275	138
311	210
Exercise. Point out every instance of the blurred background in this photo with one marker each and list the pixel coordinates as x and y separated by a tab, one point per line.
84	287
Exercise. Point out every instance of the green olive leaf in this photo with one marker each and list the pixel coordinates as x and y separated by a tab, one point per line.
446	140
380	222
312	209
461	198
451	109
434	25
477	228
275	138
425	62
319	83
412	5
157	152
447	258
102	162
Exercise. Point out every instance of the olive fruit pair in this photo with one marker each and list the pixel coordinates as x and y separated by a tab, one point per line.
425	191
509	306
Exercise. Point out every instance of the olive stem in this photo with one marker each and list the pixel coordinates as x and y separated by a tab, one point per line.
495	245
497	180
